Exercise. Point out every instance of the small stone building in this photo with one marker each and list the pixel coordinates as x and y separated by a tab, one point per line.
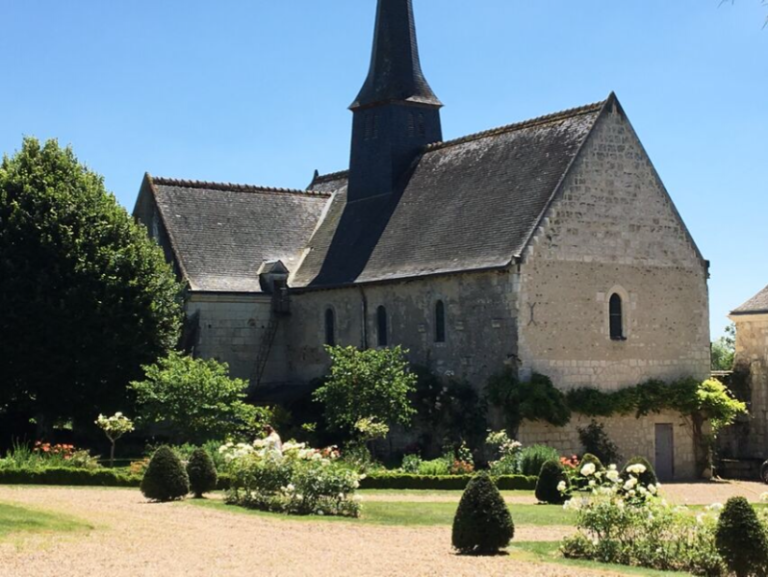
749	440
549	245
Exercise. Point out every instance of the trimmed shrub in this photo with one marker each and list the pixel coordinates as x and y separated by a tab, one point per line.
590	458
740	539
647	478
441	483
165	479
581	481
532	458
67	476
483	524
552	474
202	473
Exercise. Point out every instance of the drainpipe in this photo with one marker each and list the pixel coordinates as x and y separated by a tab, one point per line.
364	319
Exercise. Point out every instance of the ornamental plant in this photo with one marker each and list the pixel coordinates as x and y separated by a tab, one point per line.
553	484
114	427
532	458
642	469
202	473
165	479
483	524
506	452
741	540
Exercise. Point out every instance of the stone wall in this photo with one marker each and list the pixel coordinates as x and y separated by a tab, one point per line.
480	314
632	436
613	229
752	358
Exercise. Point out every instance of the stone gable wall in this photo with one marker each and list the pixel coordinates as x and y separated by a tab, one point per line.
613	229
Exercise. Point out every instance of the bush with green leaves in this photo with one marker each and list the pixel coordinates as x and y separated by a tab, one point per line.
436	467
196	399
533	457
646	477
650	533
411	464
483	524
373	384
202	473
741	539
552	485
589	469
506	453
596	441
86	296
165	478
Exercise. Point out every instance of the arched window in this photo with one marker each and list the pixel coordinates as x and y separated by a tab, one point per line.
381	324
330	327
439	322
616	315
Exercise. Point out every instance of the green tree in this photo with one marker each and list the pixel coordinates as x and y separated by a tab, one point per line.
372	384
86	297
196	399
724	350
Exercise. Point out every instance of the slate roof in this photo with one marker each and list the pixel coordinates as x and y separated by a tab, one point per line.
756	305
470	204
222	233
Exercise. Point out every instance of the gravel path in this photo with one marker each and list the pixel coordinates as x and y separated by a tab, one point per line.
137	539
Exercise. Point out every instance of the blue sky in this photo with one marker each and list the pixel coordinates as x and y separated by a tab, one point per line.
256	92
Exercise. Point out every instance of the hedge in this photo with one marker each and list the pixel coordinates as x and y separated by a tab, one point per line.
79	477
442	483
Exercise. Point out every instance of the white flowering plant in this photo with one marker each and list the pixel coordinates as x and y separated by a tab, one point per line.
295	479
114	427
507	451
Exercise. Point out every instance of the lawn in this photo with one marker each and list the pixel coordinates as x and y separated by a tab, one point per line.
410	513
14	519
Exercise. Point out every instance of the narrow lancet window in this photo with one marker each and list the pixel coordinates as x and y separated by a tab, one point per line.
439	322
616	314
381	323
330	327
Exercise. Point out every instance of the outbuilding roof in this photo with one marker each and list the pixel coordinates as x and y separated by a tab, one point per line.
758	304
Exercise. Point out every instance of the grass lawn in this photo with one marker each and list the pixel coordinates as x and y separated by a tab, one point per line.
14	519
412	513
547	552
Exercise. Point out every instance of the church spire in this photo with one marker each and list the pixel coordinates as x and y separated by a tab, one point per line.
396	113
395	74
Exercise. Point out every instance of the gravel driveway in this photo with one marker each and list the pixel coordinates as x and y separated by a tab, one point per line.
137	539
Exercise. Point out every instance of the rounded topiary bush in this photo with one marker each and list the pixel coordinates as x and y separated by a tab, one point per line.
647	478
165	479
483	524
548	486
740	539
582	481
202	473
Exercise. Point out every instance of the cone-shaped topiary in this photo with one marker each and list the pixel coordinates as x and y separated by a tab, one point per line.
165	479
740	539
548	486
202	473
647	478
482	525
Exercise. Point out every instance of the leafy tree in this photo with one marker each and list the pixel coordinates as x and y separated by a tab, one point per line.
374	384
86	297
723	350
197	399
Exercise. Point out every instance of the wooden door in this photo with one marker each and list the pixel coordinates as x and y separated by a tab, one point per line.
665	452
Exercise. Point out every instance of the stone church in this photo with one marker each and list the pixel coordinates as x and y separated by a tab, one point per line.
549	245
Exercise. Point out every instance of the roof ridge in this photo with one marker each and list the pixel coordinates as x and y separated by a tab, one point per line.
231	187
322	178
539	120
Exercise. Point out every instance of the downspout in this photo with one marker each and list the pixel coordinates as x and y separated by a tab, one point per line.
364	319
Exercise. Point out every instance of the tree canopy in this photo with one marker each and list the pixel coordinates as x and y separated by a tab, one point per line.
86	297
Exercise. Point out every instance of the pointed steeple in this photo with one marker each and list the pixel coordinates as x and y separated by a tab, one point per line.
395	74
396	113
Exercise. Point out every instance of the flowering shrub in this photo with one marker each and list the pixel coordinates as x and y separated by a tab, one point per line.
295	479
46	455
114	427
507	451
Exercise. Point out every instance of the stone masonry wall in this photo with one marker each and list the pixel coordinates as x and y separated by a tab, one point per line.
632	436
752	354
231	329
613	230
480	313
